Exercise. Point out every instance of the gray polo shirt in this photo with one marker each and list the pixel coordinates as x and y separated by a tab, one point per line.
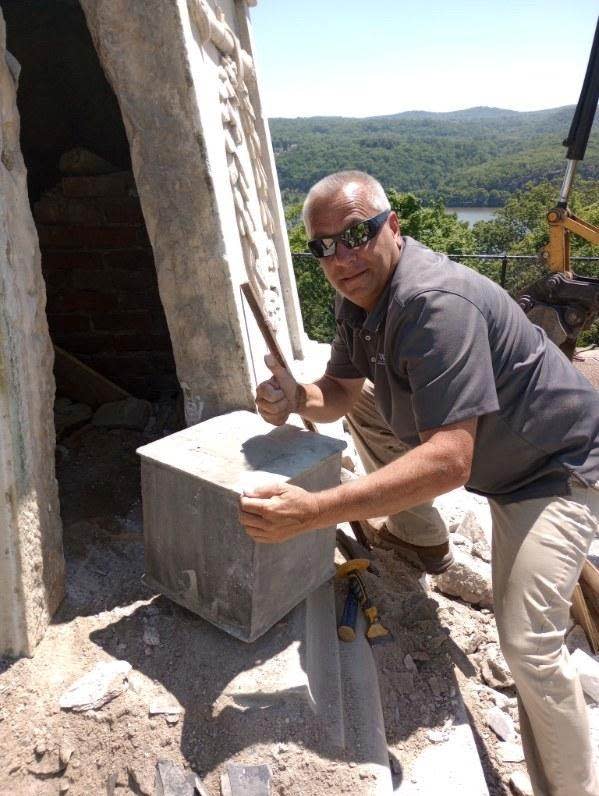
445	344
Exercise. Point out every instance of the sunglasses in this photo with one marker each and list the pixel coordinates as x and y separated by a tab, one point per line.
356	235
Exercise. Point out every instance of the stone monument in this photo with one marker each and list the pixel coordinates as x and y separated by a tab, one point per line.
184	75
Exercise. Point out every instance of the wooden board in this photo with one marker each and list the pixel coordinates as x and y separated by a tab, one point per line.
582	615
81	383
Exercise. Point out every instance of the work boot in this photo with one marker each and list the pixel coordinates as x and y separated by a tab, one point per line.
433	559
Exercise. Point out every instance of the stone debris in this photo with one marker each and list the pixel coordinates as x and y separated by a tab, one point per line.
511	752
47	765
482	550
408	662
437	736
577	640
132	413
200	787
141	781
241	780
501	723
69	416
111	783
471	536
83	162
471	528
468	578
520	784
65	752
151	637
172	780
462	542
588	671
104	682
501	700
494	669
165	706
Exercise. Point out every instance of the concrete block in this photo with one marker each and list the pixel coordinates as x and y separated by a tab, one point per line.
198	554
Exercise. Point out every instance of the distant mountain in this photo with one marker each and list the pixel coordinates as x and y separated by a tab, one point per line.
476	156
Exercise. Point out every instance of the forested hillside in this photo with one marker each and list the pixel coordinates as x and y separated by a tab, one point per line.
478	156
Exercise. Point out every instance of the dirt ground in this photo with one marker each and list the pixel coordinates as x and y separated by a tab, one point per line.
108	613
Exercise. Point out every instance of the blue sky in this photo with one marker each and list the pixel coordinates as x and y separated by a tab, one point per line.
368	57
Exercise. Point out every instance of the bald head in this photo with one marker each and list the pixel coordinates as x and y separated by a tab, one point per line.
352	184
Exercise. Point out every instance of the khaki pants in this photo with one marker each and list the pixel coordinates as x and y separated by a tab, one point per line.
539	547
377	446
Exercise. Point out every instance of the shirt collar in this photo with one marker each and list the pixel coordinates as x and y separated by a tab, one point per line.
355	316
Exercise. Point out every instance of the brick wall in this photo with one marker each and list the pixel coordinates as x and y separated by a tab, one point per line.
103	304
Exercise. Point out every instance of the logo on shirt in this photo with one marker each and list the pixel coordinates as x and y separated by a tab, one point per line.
380	359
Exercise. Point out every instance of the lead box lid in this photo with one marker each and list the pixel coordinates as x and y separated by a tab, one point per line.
238	450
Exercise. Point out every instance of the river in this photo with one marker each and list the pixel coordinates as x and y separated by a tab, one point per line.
473	214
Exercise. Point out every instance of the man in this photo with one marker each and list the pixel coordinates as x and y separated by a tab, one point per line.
485	400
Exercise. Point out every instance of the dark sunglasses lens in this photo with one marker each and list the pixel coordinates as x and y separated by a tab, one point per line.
322	247
315	247
356	235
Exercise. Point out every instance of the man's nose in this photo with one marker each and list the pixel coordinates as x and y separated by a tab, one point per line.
343	254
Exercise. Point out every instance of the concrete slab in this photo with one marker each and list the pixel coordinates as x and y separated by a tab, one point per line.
198	554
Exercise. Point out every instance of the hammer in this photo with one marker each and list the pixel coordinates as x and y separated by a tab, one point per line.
376	632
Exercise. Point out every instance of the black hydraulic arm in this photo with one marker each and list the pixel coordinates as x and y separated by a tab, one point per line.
582	121
587	105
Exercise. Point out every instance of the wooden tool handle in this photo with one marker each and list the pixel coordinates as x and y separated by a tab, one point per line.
269	336
275	349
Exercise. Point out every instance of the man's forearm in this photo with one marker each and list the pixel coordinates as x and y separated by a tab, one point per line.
418	476
323	401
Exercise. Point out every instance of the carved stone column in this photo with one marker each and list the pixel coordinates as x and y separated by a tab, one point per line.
181	78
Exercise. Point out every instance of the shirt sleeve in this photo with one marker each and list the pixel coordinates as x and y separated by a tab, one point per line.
340	365
442	345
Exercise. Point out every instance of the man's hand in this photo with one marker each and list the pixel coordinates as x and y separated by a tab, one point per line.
277	398
277	512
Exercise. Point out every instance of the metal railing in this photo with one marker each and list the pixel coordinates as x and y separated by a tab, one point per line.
317	296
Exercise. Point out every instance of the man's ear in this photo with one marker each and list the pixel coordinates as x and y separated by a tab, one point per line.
394	223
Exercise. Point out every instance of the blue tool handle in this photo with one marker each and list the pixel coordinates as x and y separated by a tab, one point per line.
347	627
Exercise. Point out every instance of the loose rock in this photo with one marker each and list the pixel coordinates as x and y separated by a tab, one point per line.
151	637
520	784
511	752
494	669
408	662
172	780
47	766
588	671
165	705
105	682
141	781
437	736
131	413
482	550
501	723
248	780
69	416
468	578
471	528
65	753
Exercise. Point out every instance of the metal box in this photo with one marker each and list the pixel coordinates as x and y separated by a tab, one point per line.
196	551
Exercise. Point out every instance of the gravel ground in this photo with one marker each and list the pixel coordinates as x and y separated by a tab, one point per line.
440	648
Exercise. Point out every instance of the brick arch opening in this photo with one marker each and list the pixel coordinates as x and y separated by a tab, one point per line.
103	304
